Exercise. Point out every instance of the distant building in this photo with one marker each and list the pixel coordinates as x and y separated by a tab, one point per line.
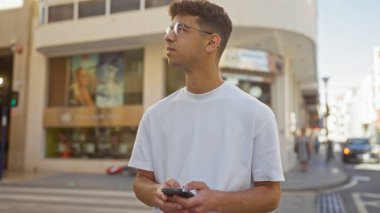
376	83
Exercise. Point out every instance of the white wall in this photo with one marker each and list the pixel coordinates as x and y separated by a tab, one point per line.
154	73
36	99
294	15
15	29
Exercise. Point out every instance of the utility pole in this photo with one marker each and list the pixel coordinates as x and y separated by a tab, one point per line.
329	151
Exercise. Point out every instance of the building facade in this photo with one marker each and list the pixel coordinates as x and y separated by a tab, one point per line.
93	67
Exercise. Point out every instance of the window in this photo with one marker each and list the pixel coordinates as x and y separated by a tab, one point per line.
96	80
123	5
133	88
61	13
175	79
87	114
92	8
156	3
102	142
58	79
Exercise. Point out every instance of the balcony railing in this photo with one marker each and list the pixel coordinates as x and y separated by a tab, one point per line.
66	10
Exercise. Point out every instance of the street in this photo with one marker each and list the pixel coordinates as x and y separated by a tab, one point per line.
39	200
360	195
323	189
364	196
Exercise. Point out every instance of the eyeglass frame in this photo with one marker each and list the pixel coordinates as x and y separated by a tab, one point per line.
174	28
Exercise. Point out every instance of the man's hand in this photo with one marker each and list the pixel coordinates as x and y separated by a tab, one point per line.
203	201
168	204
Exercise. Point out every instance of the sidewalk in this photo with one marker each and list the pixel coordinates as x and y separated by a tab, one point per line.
321	175
299	190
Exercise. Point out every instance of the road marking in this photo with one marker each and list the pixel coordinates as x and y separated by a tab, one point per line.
61	208
98	198
375	167
361	178
370	195
5	207
66	191
361	205
67	199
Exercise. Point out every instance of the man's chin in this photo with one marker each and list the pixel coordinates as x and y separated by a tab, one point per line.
174	64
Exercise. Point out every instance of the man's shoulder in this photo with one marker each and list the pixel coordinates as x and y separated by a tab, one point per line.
245	100
165	102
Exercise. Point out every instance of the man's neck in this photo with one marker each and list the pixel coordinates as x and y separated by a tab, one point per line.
200	80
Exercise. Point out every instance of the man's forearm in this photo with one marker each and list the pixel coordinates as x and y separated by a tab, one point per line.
145	190
258	199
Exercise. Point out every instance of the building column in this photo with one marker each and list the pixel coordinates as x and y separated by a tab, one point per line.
154	74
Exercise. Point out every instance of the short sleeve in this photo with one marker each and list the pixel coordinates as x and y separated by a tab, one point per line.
266	158
141	154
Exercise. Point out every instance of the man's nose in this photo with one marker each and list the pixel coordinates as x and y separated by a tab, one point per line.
170	37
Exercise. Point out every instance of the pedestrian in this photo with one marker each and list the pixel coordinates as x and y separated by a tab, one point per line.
209	137
302	147
316	143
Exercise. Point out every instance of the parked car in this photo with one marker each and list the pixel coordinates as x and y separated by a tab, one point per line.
360	150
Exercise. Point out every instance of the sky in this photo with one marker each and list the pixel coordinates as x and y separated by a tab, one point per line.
347	31
8	4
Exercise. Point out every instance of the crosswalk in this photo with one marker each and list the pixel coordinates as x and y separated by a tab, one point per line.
40	200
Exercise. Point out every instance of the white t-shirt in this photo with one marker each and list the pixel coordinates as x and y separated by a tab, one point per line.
225	138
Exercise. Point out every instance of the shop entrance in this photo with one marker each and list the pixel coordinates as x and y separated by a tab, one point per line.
6	71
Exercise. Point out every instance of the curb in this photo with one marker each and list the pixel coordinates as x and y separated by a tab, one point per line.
321	187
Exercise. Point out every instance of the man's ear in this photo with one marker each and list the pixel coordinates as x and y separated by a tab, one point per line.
213	43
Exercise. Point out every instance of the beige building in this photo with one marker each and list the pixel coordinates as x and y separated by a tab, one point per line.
88	69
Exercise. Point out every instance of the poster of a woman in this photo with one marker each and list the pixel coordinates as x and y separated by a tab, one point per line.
83	80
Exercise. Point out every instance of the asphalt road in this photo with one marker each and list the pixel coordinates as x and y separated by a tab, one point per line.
362	194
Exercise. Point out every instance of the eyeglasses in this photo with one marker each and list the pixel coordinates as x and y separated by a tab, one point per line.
177	28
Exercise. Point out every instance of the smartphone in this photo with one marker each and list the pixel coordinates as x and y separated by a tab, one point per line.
180	192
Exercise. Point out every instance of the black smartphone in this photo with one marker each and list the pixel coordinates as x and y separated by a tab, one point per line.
180	192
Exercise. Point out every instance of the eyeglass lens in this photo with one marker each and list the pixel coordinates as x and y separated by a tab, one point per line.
174	28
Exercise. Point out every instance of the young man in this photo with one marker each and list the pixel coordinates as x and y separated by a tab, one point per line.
209	137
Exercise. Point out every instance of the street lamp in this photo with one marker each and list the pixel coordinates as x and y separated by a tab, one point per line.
329	151
326	80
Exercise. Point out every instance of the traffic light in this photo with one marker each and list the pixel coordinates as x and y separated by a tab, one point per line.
14	99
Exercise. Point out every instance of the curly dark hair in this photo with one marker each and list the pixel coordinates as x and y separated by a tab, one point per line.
211	16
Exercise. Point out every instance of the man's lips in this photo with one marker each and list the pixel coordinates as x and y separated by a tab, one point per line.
169	49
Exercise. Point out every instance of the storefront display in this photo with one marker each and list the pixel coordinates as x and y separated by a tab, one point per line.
111	142
94	105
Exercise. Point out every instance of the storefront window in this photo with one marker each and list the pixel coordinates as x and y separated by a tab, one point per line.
96	80
58	82
175	79
94	104
133	88
102	142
